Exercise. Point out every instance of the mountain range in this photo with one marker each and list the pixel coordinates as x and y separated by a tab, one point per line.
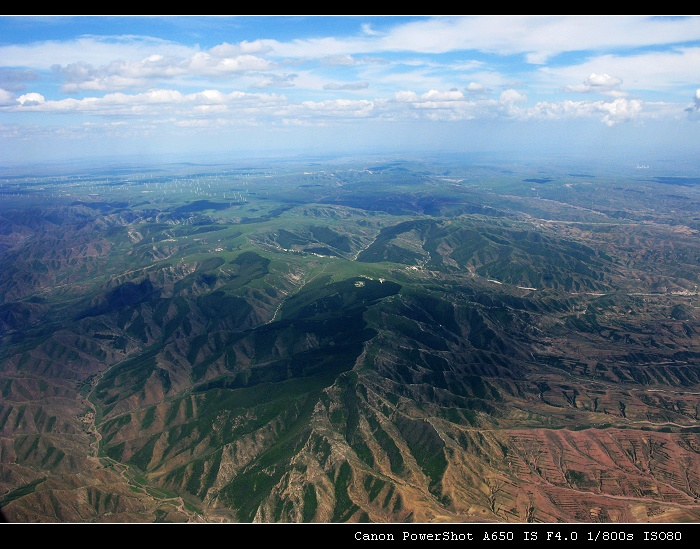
369	340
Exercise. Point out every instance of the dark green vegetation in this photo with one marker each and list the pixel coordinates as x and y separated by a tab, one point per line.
372	341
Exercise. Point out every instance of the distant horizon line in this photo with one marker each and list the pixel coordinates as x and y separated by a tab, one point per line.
235	156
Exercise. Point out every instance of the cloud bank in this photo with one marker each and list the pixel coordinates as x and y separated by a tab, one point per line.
612	70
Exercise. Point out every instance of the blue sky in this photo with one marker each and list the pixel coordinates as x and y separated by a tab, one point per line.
76	87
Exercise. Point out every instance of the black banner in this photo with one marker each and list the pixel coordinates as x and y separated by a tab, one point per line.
410	534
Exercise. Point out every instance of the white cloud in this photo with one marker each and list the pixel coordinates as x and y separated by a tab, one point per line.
152	103
405	96
275	81
620	110
210	97
203	63
536	37
368	30
435	95
603	80
143	80
209	109
473	87
695	107
92	50
347	86
16	80
155	68
134	63
339	107
7	98
429	96
244	48
31	99
512	96
454	105
406	104
338	61
652	71
611	113
598	83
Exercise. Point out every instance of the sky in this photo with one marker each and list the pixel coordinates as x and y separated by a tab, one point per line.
77	87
